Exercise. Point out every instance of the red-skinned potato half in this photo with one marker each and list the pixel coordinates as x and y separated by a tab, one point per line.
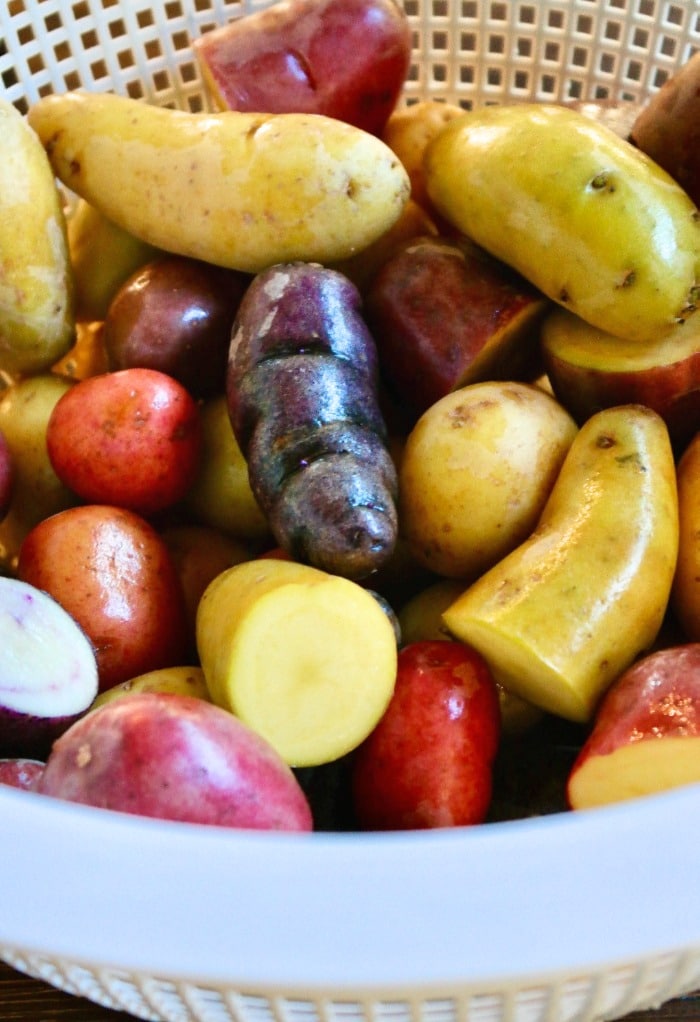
445	314
346	59
646	733
428	763
178	758
113	573
131	438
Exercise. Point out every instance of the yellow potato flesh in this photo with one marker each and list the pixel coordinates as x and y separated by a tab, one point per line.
308	660
642	768
565	612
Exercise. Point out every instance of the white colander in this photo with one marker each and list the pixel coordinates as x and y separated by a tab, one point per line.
564	918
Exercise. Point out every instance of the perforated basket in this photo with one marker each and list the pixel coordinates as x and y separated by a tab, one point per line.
571	919
466	51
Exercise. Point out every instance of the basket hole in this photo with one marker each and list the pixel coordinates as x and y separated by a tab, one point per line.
524	47
467	42
526	15
612	30
584	24
640	38
579	58
498	12
496	44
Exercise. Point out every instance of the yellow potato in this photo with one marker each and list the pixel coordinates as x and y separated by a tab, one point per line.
236	189
37	492
408	132
305	658
476	471
103	257
562	615
36	281
179	681
581	213
220	496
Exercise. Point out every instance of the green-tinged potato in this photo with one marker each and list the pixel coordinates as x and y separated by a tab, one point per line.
221	497
36	279
103	257
305	658
179	681
37	492
580	212
476	471
236	189
568	610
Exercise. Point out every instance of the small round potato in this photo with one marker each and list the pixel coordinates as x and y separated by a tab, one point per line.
477	469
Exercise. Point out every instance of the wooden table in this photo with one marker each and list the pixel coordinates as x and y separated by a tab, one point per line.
28	1000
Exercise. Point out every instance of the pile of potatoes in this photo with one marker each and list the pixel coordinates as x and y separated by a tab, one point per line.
327	420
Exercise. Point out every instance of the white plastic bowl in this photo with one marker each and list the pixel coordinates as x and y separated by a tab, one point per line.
586	915
574	916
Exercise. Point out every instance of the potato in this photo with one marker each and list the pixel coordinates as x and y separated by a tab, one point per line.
103	257
37	492
220	496
305	658
667	128
111	571
182	681
578	211
408	132
174	314
565	612
235	189
685	595
130	438
37	316
178	758
303	402
48	676
346	59
476	471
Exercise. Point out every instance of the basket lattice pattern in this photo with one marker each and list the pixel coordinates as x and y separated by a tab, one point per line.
466	51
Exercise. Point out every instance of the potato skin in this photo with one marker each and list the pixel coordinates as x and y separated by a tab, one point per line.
302	399
235	189
578	211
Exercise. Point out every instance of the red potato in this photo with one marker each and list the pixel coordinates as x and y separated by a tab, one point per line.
445	314
111	571
21	773
177	758
346	59
48	674
130	438
175	314
589	369
646	733
428	763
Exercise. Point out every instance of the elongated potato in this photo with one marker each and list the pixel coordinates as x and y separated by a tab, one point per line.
302	398
239	190
37	324
570	608
582	214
